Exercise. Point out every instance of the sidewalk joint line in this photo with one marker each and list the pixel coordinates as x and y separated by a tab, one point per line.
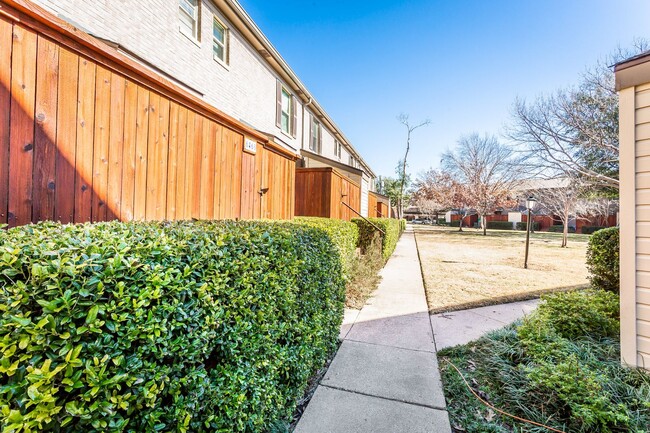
392	347
426	406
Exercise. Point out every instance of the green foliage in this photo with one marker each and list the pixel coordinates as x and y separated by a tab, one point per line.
178	327
603	259
560	229
402	225
574	381
367	233
561	368
588	230
344	235
574	315
499	225
522	226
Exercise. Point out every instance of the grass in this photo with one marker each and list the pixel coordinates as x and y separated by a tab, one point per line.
466	269
555	369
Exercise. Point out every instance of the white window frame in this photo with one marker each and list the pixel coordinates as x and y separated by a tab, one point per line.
292	113
316	136
225	45
337	149
285	95
195	17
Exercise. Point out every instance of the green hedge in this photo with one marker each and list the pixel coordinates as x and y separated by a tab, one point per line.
522	226
588	230
499	225
183	327
344	235
402	225
388	241
603	259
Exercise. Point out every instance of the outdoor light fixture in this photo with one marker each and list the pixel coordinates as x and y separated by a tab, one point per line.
531	203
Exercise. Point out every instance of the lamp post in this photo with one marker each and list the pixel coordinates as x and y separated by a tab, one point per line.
531	202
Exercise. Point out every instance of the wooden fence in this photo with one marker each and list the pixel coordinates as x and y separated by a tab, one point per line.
86	135
378	206
324	192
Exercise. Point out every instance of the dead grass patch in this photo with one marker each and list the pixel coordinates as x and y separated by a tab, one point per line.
466	269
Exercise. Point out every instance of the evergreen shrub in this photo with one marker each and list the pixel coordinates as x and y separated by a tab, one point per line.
177	327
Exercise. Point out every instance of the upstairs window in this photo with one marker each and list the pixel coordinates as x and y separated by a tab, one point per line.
315	136
219	41
337	149
286	114
188	14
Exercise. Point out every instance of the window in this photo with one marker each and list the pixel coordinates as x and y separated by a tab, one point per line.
286	115
315	136
285	121
337	149
351	164
219	41
188	14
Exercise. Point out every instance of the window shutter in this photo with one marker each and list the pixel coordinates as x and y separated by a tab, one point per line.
294	114
278	110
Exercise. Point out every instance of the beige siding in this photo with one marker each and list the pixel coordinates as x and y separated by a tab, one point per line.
642	99
635	202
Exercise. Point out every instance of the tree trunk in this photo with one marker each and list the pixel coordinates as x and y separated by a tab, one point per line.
460	224
565	232
484	225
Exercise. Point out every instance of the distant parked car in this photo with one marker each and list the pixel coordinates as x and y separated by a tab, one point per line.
417	221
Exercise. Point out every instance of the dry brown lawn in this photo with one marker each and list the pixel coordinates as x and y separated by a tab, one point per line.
466	269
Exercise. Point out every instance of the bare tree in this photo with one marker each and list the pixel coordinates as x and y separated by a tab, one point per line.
442	190
601	208
562	199
404	120
574	132
487	170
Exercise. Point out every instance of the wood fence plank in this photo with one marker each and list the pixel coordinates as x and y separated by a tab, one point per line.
157	158
116	147
66	136
47	80
189	166
181	171
85	138
172	162
101	144
235	202
207	170
218	178
248	185
131	109
141	155
196	146
6	45
21	142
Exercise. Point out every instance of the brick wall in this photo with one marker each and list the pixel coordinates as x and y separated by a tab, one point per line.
244	89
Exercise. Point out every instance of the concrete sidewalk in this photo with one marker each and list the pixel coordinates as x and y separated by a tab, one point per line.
461	327
384	378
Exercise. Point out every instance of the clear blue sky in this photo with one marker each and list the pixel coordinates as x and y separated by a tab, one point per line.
460	63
